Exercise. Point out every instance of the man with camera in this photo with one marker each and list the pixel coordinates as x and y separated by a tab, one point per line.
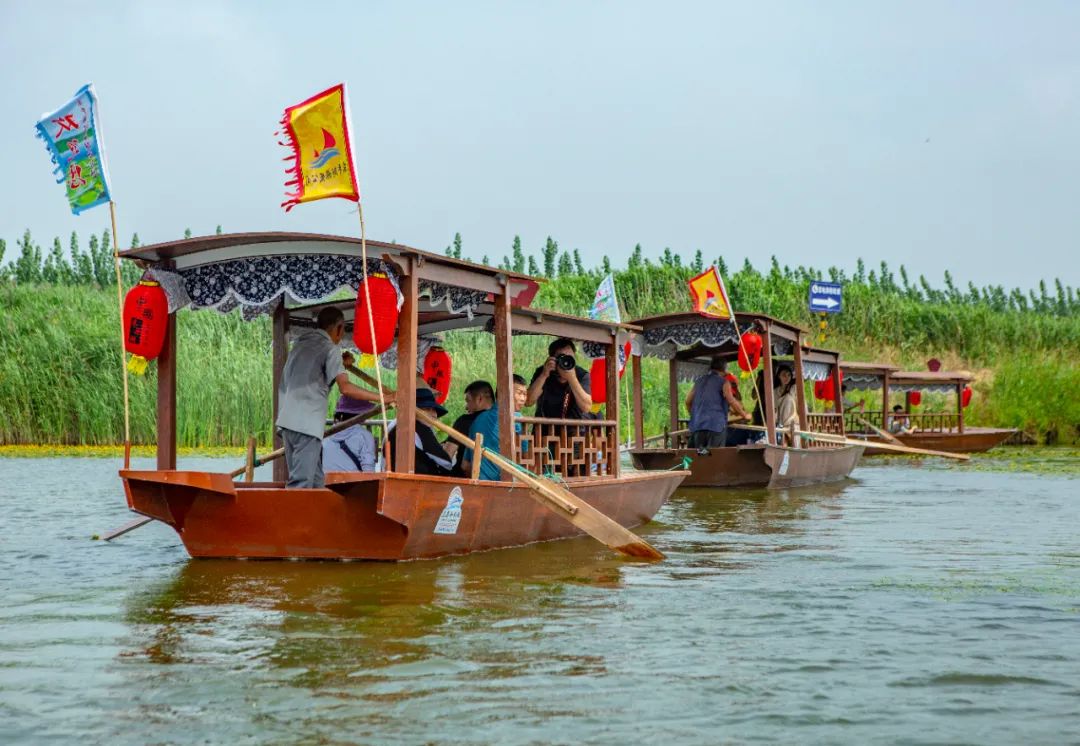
560	387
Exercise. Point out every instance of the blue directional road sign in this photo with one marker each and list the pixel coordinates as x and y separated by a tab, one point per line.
825	297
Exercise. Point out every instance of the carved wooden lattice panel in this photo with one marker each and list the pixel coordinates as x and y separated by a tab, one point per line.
568	448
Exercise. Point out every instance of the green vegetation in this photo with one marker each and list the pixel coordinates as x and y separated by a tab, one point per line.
60	362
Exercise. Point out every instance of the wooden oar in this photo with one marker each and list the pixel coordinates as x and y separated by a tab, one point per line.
559	499
252	463
881	433
827	438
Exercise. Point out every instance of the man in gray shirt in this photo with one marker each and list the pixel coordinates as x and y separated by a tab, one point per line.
313	366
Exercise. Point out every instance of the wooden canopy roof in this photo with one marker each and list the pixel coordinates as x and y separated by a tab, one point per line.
867	368
776	326
925	377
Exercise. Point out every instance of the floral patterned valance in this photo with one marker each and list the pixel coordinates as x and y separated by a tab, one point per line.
664	341
862	381
456	300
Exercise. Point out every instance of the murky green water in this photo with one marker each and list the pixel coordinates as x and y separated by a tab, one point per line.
931	604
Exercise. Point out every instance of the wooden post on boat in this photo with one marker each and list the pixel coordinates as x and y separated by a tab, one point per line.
611	407
280	355
800	387
960	407
768	408
405	431
166	400
504	376
639	414
885	400
249	467
673	394
478	458
838	394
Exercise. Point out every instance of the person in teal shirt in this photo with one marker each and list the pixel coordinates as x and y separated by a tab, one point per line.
487	423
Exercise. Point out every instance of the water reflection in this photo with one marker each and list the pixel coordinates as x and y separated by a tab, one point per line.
330	623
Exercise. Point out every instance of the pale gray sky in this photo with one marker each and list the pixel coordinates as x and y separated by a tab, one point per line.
944	135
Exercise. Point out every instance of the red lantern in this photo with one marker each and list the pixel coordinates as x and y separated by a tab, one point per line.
730	378
437	371
384	314
965	396
821	389
914	398
598	380
750	351
146	320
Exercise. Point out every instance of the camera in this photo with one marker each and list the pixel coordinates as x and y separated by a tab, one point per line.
565	362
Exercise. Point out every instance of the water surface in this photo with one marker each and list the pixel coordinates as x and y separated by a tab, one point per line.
913	604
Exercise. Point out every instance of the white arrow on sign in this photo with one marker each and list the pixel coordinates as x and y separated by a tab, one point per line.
827	302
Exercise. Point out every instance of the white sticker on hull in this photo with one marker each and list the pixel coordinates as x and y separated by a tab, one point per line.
451	515
784	463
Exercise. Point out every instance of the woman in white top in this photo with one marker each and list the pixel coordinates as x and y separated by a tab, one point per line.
787	404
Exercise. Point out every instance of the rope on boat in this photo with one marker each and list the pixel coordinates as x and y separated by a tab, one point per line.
123	353
371	331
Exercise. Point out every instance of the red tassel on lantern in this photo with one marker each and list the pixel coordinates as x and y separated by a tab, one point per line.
914	398
146	319
438	369
384	314
965	396
750	351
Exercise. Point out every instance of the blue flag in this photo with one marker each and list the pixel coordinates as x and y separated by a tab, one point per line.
73	135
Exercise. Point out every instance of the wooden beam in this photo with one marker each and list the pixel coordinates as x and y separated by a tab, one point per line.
838	394
611	406
885	400
166	400
459	278
784	333
819	356
769	409
535	322
800	387
405	432
280	333
639	414
504	375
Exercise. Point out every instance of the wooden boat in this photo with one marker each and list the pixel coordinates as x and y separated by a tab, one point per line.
394	515
688	342
938	431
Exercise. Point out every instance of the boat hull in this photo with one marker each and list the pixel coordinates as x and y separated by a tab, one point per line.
972	440
754	465
374	516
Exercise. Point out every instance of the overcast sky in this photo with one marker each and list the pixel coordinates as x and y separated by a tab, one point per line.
943	135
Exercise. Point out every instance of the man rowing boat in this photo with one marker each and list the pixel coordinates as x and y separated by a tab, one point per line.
314	365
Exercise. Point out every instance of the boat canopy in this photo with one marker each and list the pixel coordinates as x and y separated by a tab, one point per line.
866	376
256	271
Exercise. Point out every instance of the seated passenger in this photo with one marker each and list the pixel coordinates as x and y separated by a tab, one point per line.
560	387
787	405
479	397
709	402
487	422
352	449
899	422
431	457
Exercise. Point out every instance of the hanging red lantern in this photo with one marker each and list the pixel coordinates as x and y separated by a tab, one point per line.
146	320
384	315
821	389
750	351
598	380
965	396
438	369
914	398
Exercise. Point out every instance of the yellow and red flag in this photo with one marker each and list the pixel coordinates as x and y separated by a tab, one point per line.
709	295
317	132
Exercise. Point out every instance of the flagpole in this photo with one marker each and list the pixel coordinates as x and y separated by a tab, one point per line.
123	354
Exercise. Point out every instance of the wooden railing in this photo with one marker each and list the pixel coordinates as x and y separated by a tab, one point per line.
940	422
929	422
830	423
568	448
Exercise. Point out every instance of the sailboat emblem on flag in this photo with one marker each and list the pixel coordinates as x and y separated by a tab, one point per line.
322	157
